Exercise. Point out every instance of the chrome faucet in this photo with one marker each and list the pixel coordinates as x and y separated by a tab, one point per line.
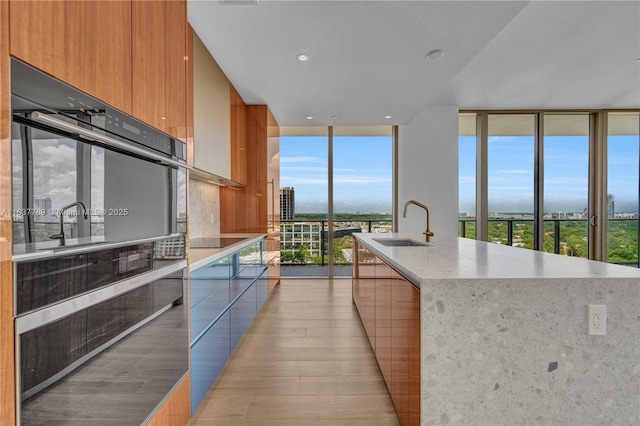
428	232
60	236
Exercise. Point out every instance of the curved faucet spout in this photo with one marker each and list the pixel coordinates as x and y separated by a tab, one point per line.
428	232
85	213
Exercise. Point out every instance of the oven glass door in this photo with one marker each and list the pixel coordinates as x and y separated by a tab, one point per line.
126	197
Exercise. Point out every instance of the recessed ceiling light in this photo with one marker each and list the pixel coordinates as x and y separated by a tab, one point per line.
333	117
638	60
435	54
303	57
387	116
309	117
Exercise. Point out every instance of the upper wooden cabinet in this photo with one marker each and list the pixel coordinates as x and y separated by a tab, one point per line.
159	64
86	44
130	55
238	138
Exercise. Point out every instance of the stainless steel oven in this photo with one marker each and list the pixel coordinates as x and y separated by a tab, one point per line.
71	150
99	209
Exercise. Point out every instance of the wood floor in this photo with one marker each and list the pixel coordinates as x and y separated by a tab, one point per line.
304	361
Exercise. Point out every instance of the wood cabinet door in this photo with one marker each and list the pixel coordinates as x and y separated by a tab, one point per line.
159	65
405	353
383	320
86	44
238	116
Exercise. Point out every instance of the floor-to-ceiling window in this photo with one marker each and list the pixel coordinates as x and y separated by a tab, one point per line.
566	184
361	194
362	185
510	169
544	174
467	174
622	187
303	188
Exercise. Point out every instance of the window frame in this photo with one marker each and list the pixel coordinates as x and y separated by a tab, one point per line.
597	202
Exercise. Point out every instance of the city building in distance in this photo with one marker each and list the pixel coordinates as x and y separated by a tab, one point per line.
287	203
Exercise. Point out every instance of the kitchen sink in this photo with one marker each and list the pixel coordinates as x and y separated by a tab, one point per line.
400	242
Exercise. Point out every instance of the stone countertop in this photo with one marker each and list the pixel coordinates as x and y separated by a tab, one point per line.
504	334
462	258
202	256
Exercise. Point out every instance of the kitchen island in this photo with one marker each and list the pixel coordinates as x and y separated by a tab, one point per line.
503	332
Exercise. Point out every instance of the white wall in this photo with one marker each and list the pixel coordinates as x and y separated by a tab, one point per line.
428	171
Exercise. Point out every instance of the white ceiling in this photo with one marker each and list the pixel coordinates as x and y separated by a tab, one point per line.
368	58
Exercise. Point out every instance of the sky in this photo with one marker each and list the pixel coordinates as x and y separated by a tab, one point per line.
566	173
362	172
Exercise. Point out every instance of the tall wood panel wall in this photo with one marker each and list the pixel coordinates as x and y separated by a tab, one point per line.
245	209
7	364
255	139
132	55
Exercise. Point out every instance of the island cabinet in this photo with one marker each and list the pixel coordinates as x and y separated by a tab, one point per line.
389	307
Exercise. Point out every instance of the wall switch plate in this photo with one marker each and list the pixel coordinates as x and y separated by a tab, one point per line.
597	320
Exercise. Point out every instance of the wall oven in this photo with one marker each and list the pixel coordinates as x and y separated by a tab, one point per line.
99	217
69	147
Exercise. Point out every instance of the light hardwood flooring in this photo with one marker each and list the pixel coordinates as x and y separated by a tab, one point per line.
305	361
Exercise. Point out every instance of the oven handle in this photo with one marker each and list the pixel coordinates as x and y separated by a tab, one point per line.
68	127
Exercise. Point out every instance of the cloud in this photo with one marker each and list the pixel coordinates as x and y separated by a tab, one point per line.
298	180
301	160
515	171
574	181
615	160
338	179
342	179
304	168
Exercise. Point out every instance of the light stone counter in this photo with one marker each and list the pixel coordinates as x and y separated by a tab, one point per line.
504	336
203	256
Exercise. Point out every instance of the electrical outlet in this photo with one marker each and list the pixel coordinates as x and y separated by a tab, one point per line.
597	320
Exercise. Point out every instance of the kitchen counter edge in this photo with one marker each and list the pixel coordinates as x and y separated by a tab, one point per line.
465	259
200	257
